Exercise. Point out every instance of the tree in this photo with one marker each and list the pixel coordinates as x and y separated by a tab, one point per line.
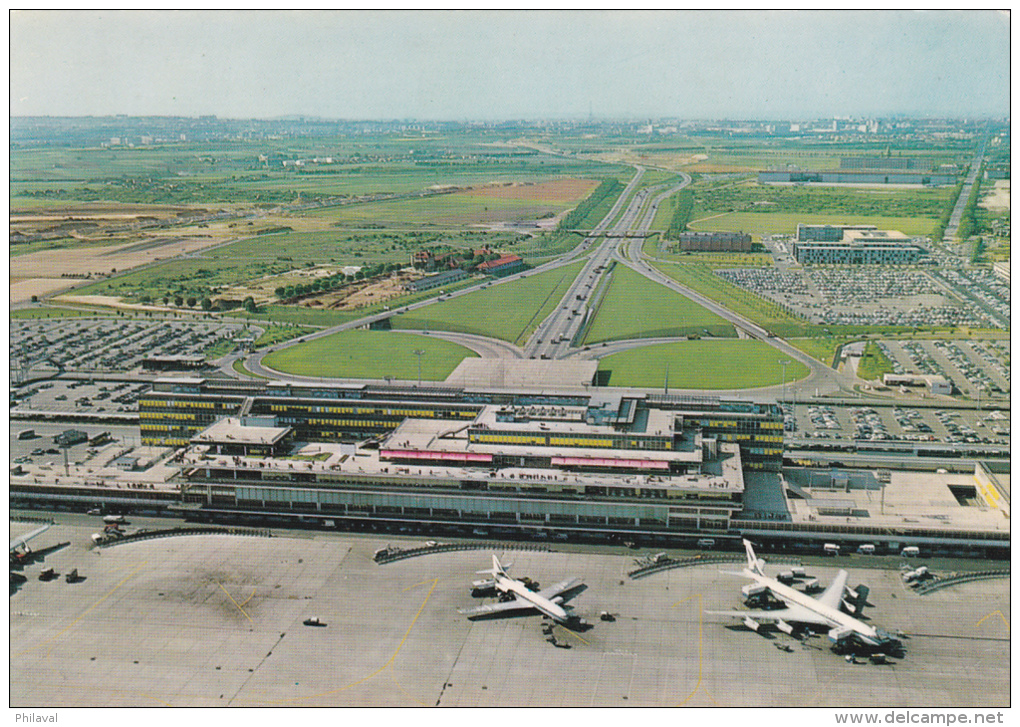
192	301
178	301
280	292
249	305
206	304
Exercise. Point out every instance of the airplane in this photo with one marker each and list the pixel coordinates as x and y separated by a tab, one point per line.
22	540
549	601
20	558
845	630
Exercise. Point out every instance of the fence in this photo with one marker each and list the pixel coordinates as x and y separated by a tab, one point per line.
390	555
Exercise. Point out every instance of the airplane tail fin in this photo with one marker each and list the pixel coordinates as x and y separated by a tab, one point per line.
497	568
754	564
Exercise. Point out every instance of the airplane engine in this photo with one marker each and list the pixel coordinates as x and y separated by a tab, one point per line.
839	635
754	590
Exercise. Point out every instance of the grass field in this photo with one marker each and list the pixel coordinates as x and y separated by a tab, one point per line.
873	363
822	348
370	354
44	312
636	307
740	364
510	311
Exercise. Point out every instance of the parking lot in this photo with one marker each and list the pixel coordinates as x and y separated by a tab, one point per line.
33	445
72	397
823	423
104	345
971	366
882	295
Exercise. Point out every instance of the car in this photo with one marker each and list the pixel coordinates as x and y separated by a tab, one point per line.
94	511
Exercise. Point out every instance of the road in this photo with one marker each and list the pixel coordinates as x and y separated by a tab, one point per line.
961	201
554	337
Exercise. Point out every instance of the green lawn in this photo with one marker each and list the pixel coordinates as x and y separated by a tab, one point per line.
874	363
822	348
740	364
636	307
370	354
510	311
44	312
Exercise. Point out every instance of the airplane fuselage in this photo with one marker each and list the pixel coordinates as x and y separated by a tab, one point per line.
553	610
833	615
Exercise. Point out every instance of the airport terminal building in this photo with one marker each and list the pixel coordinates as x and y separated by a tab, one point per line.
608	462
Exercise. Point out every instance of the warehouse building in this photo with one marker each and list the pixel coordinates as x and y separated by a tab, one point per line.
714	241
502	266
430	282
928	179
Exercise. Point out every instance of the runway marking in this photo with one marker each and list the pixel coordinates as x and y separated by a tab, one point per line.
236	603
83	615
577	636
389	662
245	601
406	693
700	649
993	613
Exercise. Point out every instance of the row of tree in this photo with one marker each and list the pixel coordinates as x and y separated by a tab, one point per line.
577	216
334	282
943	223
681	215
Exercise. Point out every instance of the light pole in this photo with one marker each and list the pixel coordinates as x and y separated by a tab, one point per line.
784	363
419	352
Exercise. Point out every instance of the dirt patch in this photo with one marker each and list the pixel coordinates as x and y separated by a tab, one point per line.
560	191
350	297
110	301
998	199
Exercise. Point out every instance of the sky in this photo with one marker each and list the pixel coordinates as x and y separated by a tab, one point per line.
494	65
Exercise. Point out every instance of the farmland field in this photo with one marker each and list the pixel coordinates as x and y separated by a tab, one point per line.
370	354
636	307
510	311
739	364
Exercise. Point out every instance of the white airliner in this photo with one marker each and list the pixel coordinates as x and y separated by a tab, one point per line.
844	629
22	540
548	601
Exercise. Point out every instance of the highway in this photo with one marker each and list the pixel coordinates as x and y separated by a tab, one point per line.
554	337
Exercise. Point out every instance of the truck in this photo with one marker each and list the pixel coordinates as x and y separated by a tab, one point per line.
111	519
830	549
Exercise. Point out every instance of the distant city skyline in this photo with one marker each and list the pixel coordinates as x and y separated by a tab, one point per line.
502	65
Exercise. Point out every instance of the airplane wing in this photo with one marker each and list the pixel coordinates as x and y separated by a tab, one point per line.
22	540
794	613
562	587
495	608
833	595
